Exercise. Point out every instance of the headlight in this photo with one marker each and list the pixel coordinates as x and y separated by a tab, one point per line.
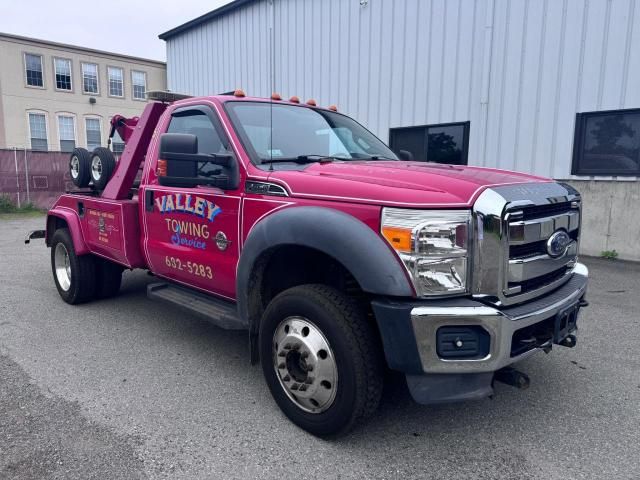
433	245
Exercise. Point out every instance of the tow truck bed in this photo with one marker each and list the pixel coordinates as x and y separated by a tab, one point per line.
101	226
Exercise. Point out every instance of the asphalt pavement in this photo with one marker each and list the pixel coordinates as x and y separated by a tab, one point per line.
125	388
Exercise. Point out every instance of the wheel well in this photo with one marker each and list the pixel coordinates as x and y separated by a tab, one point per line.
287	266
53	224
283	267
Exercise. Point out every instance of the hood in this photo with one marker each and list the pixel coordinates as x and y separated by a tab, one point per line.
396	183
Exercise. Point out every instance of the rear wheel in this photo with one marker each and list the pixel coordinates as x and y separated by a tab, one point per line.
73	274
80	167
321	359
103	163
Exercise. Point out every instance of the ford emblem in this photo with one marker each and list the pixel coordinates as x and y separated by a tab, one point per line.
558	243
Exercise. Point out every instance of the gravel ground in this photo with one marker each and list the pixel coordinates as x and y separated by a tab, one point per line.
125	388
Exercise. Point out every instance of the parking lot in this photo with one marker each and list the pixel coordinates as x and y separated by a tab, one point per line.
125	388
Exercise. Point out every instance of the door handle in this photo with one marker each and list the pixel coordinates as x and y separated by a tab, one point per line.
148	200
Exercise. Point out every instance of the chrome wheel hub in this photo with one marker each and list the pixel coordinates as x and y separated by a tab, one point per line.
62	266
305	364
75	167
96	168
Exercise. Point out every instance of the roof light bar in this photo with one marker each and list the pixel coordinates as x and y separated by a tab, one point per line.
165	96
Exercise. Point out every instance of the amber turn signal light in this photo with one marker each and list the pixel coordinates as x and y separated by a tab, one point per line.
398	238
161	168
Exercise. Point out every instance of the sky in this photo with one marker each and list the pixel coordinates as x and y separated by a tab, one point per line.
130	27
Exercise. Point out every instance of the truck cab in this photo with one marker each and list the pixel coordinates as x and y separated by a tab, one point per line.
295	223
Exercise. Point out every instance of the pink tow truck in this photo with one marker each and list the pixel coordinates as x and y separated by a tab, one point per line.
296	224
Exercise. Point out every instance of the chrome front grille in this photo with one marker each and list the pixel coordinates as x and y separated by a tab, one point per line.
529	264
513	226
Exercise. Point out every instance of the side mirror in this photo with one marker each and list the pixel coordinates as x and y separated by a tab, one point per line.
405	155
179	143
179	162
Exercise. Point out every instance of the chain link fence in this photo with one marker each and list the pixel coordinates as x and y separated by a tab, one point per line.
32	177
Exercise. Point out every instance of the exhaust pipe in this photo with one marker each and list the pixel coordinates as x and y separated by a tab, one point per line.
513	377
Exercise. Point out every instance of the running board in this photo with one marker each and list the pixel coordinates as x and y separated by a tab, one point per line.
219	312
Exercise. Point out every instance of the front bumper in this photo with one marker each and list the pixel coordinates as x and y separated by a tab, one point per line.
409	332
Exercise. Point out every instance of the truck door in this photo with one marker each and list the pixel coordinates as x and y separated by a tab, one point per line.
191	233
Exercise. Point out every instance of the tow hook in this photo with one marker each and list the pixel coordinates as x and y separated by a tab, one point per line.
569	341
34	234
512	377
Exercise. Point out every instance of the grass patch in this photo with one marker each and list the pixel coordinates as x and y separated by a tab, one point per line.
609	254
8	207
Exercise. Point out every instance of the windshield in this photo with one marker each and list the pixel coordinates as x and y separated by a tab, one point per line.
301	132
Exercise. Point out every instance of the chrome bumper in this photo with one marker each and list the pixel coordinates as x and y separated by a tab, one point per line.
500	324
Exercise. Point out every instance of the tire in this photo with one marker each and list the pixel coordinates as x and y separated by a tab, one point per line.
74	275
103	163
344	393
108	278
80	167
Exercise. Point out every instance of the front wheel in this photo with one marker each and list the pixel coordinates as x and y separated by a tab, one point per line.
321	359
73	274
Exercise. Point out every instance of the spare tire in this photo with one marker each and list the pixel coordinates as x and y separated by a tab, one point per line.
103	163
80	167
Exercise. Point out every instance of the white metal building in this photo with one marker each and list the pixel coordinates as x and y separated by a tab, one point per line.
543	86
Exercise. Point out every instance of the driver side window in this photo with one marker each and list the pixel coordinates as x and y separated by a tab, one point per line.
196	122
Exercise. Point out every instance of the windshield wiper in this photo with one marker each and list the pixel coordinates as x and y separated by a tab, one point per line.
302	159
375	157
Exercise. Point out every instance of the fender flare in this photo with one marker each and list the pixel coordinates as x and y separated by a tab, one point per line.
341	236
73	223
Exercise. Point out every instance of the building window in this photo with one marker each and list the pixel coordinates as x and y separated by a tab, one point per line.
33	70
94	136
38	131
67	133
139	84
62	69
442	143
607	143
90	78
116	82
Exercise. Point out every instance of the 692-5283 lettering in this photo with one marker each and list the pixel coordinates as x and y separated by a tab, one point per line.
193	268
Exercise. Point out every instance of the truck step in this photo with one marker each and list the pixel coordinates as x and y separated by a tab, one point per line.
219	312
